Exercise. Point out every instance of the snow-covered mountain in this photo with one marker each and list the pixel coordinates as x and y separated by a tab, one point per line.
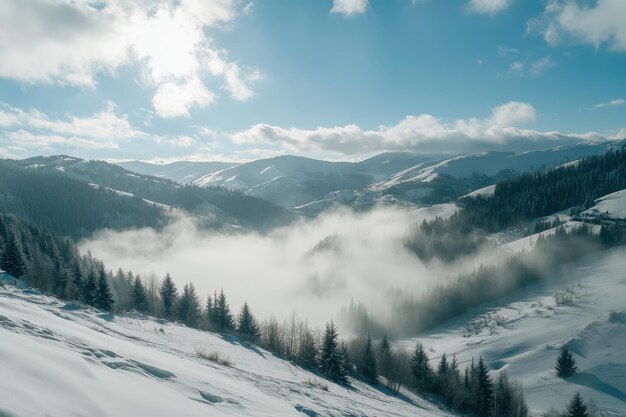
61	360
311	186
184	172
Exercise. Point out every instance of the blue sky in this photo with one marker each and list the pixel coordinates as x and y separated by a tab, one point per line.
335	79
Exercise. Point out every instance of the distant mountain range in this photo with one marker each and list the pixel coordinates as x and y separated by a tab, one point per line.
76	197
309	186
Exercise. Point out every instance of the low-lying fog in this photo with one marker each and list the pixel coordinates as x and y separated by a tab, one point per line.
313	268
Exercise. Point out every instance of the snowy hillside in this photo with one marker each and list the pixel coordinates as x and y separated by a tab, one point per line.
183	172
59	360
312	186
523	335
612	206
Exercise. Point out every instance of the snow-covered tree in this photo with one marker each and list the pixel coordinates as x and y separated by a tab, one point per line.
331	360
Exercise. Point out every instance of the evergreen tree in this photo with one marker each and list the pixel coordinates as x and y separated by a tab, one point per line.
89	288
565	363
77	279
168	294
248	326
224	319
577	407
12	259
139	298
385	358
188	306
367	366
209	312
483	396
307	350
331	361
103	298
420	367
442	368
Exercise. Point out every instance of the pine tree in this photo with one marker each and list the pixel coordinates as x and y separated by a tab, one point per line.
77	279
168	294
103	298
139	298
483	396
442	368
223	317
367	366
89	288
188	306
331	361
385	358
307	351
209	312
565	363
420	366
248	326
12	259
577	407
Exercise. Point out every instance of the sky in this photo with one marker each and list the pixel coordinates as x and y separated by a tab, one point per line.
166	80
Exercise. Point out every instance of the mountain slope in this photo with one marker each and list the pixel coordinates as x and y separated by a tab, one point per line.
58	360
217	206
524	333
183	172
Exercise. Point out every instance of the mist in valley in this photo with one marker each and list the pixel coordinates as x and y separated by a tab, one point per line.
313	267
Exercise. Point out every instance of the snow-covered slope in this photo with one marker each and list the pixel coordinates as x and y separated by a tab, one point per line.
523	335
182	171
58	360
612	206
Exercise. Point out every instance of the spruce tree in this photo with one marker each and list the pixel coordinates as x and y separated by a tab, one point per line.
139	298
367	366
420	367
223	317
168	294
103	298
442	368
385	357
12	259
483	396
577	407
209	312
565	363
307	352
248	327
89	288
331	361
77	280
188	306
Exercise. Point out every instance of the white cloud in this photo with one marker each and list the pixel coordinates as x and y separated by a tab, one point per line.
512	114
517	68
539	66
79	39
349	7
573	21
30	140
175	100
614	102
425	133
488	6
106	124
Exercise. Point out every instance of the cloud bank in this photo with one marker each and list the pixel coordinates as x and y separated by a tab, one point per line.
582	22
349	7
313	268
421	133
167	40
